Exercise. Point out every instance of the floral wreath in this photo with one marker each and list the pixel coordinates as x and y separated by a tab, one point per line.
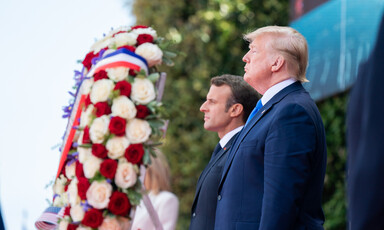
115	121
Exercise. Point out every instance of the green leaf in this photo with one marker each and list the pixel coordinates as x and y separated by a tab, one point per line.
169	54
154	77
85	145
156	123
146	157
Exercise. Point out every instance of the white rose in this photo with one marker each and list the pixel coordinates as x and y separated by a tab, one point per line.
118	29
123	39
91	166
118	73
101	44
151	52
110	224
143	91
98	194
125	175
116	147
70	170
138	131
73	196
77	213
123	107
148	30
58	187
101	90
83	228
84	154
86	116
86	86
63	225
61	200
99	129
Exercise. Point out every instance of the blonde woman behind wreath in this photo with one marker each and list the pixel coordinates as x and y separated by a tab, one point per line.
165	203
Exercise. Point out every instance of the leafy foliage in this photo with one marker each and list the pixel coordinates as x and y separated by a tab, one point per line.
333	112
207	34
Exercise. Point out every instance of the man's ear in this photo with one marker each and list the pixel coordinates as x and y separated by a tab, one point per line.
278	63
236	110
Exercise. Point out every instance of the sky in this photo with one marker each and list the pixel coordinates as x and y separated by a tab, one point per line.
41	42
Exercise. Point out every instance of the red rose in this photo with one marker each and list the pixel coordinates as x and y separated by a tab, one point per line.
134	153
132	72
79	170
143	38
142	111
87	101
100	75
72	227
92	218
86	139
124	87
87	62
67	210
82	187
119	203
102	108
138	27
130	48
117	126
99	151
66	185
108	168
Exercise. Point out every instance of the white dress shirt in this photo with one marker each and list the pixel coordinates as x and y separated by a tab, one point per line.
229	135
275	89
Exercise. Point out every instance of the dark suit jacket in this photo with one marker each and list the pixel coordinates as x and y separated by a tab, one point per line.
204	204
1	222
365	132
274	174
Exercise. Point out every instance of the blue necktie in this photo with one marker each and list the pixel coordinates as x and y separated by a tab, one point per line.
216	151
254	111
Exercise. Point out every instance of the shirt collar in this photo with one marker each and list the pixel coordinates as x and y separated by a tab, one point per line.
229	135
275	89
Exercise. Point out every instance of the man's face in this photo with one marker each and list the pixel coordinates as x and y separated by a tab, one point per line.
216	119
258	63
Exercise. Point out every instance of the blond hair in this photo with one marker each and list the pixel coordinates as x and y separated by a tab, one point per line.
290	44
158	174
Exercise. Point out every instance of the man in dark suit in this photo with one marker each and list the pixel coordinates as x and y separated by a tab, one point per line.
274	174
229	102
365	136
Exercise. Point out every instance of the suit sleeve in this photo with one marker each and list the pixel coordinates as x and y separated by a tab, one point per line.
289	147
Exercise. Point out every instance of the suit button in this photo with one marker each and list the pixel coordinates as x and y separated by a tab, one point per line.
194	214
219	197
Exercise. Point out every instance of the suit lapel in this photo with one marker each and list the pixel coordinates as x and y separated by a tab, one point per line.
211	164
262	112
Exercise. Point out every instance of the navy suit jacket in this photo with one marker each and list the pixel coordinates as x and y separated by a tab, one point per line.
365	132
204	204
274	174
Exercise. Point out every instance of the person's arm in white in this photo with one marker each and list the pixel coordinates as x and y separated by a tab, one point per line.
168	210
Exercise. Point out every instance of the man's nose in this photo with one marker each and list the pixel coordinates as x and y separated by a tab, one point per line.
202	107
245	57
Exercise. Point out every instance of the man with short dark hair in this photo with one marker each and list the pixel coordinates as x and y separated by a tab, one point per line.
229	102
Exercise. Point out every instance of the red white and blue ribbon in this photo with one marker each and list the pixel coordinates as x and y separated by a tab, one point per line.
120	58
49	219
